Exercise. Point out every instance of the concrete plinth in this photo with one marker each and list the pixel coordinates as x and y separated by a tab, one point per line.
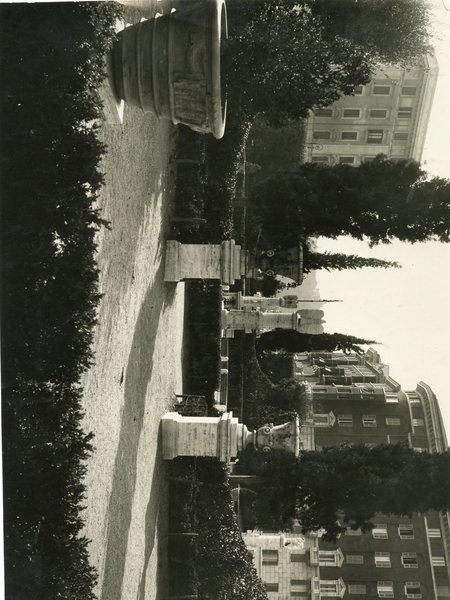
258	302
221	437
257	320
204	261
251	317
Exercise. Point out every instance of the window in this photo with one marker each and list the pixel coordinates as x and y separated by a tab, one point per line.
406	531
391	398
443	591
328	558
345	420
329	588
381	90
301	583
418	449
393	421
369	421
374	136
349	135
271	587
319	158
438	561
296	558
404	112
324	420
382	559
357	588
270	557
412	589
321	135
323	112
385	589
434	533
401	135
353	532
409	560
380	531
418	422
352	113
347	160
358	90
378	113
319	389
408	90
354	559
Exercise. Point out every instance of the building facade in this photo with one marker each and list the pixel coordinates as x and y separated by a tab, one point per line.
289	563
354	399
387	116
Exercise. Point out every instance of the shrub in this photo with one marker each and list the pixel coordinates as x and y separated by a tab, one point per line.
204	327
52	60
221	565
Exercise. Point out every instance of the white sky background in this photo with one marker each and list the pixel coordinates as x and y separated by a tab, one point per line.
407	310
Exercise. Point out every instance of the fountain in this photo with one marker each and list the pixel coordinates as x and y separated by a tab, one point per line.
170	65
223	437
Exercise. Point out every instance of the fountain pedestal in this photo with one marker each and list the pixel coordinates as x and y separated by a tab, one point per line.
225	261
223	437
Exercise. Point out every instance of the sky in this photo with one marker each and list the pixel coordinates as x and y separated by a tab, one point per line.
406	310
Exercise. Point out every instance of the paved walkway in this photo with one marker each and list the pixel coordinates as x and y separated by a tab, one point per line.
138	347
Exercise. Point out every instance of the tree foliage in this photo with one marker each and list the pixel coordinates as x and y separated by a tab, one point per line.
277	365
222	565
347	485
380	200
392	31
294	341
52	61
329	261
285	57
280	64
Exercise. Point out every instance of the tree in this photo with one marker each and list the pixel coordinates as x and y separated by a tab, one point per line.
293	341
313	261
347	485
393	31
277	365
284	57
279	64
380	200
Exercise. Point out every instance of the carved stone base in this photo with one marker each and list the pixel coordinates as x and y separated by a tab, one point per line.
221	437
204	261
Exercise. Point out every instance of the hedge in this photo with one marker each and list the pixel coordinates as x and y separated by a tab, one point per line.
52	60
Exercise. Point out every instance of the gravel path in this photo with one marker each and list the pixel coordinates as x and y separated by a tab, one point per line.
138	349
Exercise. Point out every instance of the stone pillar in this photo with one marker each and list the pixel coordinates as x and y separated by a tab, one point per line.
257	320
223	437
223	261
311	321
258	302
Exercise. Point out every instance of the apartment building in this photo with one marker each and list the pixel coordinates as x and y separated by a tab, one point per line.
353	398
387	116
